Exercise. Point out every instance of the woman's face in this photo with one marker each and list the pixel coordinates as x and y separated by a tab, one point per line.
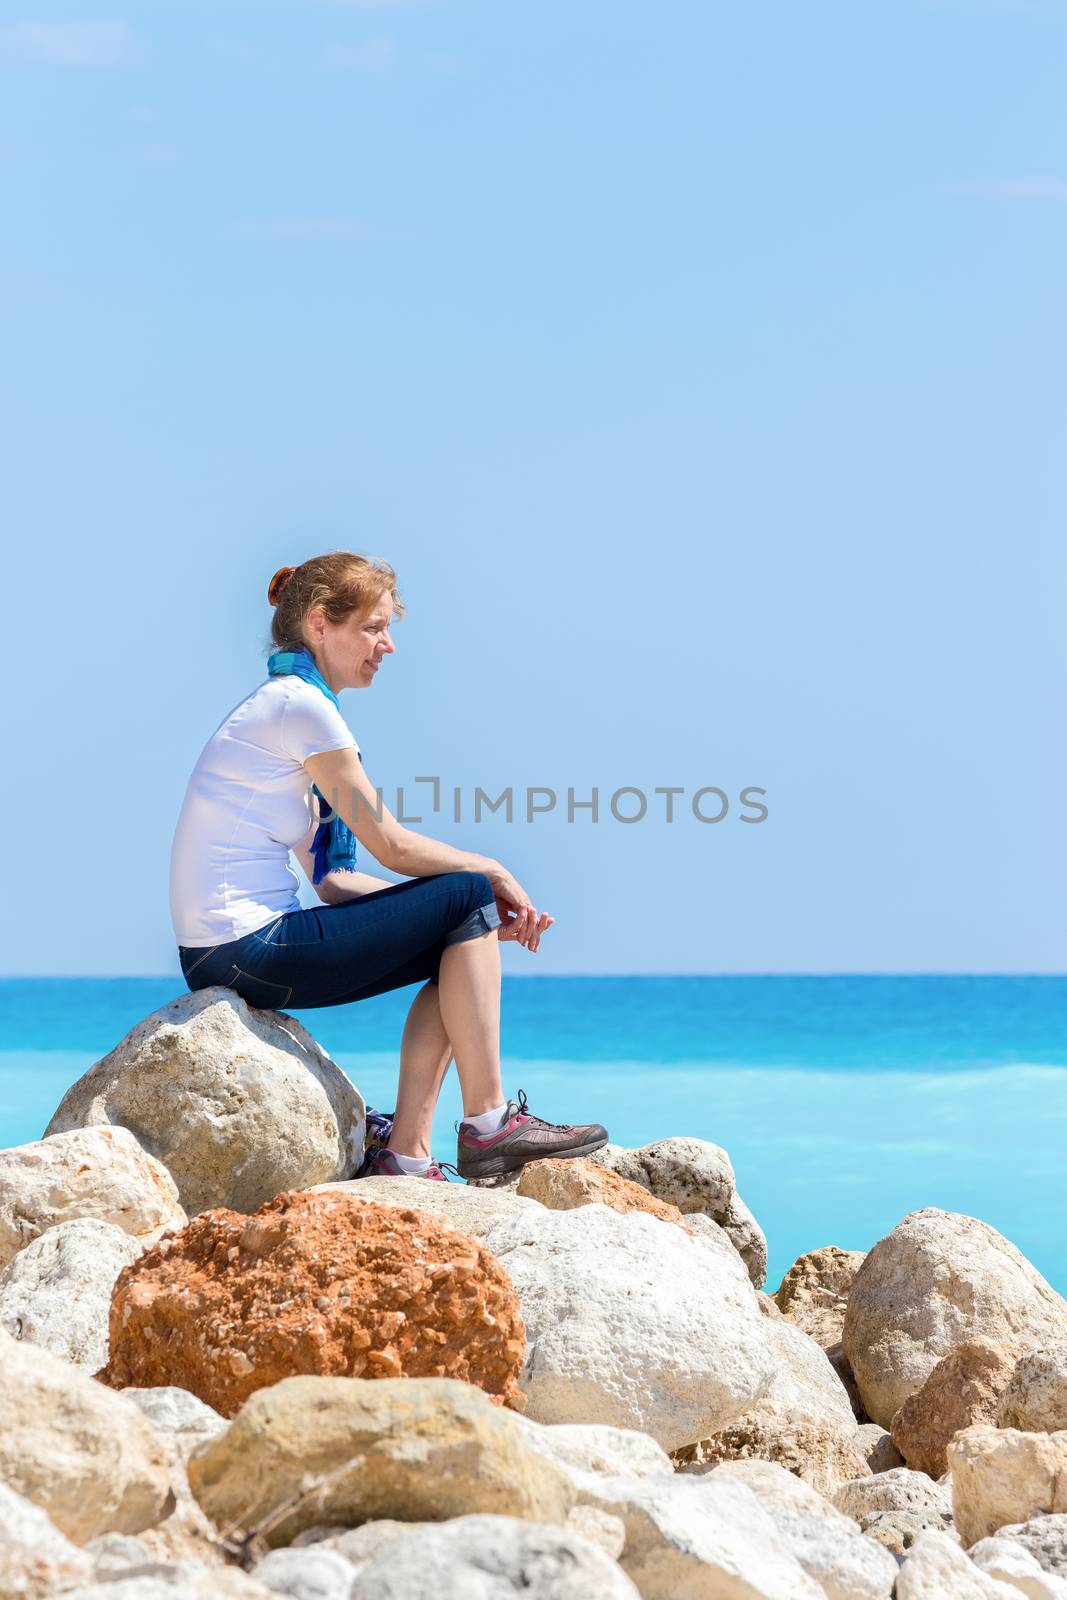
349	653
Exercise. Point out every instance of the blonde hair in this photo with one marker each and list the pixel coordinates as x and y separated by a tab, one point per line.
340	582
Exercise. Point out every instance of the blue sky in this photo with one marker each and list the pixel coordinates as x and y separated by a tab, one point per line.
698	366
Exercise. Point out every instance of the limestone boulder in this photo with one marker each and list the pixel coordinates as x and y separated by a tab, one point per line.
1035	1397
36	1560
238	1104
588	1448
312	1573
179	1416
895	1508
174	1580
314	1284
814	1292
937	1569
876	1446
349	1450
1045	1538
632	1323
1000	1475
964	1388
695	1176
827	1544
56	1293
85	1456
463	1206
565	1185
1013	1564
937	1281
101	1173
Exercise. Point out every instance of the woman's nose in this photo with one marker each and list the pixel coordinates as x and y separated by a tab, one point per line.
388	645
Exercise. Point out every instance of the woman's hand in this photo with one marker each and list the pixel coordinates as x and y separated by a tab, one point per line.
518	917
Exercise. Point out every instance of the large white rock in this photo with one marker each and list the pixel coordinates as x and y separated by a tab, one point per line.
937	1569
239	1104
307	1573
56	1293
937	1281
1045	1538
589	1447
1036	1397
178	1415
92	1172
1002	1476
36	1560
174	1580
827	1544
82	1453
1013	1564
694	1175
462	1205
632	1322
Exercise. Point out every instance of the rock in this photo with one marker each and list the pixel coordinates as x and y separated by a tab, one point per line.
608	1533
1045	1538
113	1554
85	1456
827	1544
937	1281
876	1447
895	1508
461	1205
487	1558
964	1388
1035	1398
184	1419
689	1538
409	1448
612	1452
306	1574
36	1560
239	1104
1000	1475
314	1284
1013	1564
565	1185
814	1292
57	1291
93	1172
181	1580
803	1421
937	1569
835	1355
694	1176
632	1323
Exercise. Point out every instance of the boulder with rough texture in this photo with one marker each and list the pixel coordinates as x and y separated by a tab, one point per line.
565	1185
1000	1475
1045	1538
827	1544
964	1388
633	1323
897	1507
314	1284
179	1416
803	1420
85	1456
354	1451
475	1558
937	1281
463	1206
312	1573
1013	1564
174	1580
239	1104
876	1446
92	1172
814	1292
694	1176
56	1293
1035	1398
937	1569
36	1560
588	1447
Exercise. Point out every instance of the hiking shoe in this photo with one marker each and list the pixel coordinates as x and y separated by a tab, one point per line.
522	1137
381	1163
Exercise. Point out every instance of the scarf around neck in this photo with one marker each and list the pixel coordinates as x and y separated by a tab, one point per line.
334	844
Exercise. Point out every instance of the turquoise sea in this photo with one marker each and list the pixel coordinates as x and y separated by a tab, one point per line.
844	1102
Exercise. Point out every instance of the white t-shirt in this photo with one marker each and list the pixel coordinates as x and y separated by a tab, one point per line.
246	805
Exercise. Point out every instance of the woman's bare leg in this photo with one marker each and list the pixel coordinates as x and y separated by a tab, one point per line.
469	984
425	1052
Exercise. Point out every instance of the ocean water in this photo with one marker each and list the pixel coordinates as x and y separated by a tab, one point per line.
844	1102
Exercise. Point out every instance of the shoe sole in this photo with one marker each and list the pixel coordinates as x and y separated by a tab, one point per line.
496	1166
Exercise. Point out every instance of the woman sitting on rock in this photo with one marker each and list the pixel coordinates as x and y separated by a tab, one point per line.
237	918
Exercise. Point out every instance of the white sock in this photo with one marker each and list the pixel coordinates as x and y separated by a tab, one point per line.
488	1121
417	1166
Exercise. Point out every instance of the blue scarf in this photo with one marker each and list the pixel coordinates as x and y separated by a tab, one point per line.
334	844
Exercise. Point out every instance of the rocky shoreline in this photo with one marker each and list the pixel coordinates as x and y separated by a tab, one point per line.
229	1369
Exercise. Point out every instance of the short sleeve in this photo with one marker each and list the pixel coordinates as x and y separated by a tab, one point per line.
311	724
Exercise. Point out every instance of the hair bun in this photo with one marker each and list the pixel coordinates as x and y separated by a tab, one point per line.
278	583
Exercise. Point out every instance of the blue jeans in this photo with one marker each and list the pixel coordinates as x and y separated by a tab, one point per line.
331	955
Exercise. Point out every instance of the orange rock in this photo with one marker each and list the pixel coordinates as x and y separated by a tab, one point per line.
314	1284
563	1185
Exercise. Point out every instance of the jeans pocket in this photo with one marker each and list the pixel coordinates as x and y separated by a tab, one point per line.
258	992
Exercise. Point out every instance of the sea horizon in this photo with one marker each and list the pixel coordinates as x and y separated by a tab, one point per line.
845	1101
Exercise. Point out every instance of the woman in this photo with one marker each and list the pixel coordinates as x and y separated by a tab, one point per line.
237	918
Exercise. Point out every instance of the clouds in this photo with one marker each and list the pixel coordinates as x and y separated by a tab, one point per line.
85	42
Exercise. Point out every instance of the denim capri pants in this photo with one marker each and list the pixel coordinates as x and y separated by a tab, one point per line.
331	955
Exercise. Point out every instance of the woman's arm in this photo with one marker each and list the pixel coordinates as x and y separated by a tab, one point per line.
336	887
341	777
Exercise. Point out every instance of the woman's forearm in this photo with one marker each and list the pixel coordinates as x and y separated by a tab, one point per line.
416	856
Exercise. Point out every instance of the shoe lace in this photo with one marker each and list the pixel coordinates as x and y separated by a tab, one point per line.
524	1111
446	1166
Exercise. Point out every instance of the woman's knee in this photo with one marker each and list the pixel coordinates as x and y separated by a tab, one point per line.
477	910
